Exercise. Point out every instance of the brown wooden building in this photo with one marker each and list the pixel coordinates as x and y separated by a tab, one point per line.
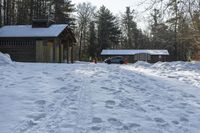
40	42
134	55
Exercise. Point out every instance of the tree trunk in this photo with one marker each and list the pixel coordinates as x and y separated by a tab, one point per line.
67	51
80	43
72	54
175	32
31	11
4	12
7	12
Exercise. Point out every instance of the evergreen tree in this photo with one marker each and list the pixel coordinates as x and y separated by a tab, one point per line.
92	49
130	29
108	30
63	10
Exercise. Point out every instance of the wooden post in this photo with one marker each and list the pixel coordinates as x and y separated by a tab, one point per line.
72	54
60	55
54	50
67	51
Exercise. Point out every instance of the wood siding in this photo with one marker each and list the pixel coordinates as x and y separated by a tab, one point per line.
39	51
23	51
49	50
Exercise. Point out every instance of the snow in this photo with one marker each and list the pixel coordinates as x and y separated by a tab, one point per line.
188	72
134	52
27	31
100	98
5	59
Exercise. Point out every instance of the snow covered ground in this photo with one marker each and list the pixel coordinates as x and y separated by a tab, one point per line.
100	98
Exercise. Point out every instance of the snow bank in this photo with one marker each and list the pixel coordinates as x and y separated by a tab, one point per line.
5	59
142	64
187	72
178	65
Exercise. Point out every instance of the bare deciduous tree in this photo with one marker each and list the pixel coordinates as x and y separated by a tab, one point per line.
85	14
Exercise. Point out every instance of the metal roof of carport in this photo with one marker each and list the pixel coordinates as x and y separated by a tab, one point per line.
134	52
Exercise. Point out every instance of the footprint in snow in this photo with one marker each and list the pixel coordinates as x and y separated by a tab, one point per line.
12	84
107	89
124	90
133	125
37	117
183	119
40	102
92	81
110	104
51	107
115	122
113	77
77	81
143	90
106	81
175	122
189	112
187	95
95	128
45	73
159	120
96	120
60	79
27	78
61	90
24	126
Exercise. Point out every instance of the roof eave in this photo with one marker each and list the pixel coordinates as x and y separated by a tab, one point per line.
30	37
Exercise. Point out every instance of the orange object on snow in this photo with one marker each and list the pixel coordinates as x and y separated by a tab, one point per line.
125	60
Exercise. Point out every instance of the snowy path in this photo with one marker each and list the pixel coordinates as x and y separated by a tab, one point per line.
89	98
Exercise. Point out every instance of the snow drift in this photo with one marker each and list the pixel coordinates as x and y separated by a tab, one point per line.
188	72
179	66
176	65
5	59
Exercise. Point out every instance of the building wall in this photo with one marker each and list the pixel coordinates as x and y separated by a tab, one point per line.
39	51
31	50
61	54
44	51
49	51
156	58
19	50
142	57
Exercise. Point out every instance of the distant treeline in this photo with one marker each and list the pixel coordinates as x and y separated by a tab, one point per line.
173	25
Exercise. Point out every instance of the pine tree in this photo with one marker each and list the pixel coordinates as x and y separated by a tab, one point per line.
108	30
92	49
130	28
63	10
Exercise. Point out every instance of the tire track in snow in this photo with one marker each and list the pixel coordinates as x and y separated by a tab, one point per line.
84	114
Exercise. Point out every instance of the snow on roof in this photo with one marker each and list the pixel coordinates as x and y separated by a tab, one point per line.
134	51
27	31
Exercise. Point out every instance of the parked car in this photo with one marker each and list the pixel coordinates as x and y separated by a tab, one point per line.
115	60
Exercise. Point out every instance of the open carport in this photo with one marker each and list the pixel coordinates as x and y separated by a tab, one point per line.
134	55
